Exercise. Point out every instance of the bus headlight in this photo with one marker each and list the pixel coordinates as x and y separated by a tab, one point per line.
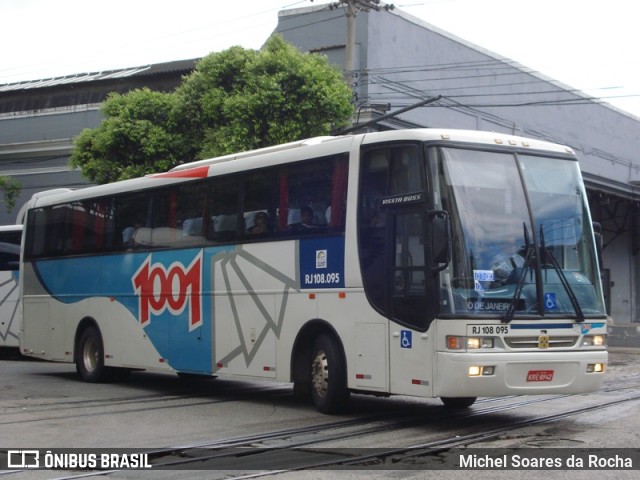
479	342
594	341
595	368
475	371
480	371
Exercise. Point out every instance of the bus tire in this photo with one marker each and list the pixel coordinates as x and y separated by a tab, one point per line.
90	357
302	391
458	402
328	376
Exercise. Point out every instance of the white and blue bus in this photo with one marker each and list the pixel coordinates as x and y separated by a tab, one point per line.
10	239
430	263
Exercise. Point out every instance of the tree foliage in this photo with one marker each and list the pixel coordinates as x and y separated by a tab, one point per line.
136	137
10	192
248	99
234	100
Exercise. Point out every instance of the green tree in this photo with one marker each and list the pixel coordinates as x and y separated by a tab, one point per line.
234	100
241	99
11	189
136	137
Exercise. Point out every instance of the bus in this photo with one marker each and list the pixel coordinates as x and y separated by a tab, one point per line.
10	239
429	263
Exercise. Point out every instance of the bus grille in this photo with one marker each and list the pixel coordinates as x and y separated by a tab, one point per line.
532	342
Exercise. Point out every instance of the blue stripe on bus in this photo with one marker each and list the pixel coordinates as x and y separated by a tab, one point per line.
75	279
548	326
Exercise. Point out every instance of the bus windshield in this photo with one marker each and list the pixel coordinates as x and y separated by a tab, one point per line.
522	236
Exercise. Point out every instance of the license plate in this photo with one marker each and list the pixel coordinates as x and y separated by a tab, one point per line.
475	330
539	375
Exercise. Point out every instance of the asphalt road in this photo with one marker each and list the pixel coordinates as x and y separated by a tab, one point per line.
44	405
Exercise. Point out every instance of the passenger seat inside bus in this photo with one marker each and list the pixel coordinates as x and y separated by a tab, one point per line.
225	227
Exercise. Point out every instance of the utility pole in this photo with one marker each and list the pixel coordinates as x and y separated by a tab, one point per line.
350	46
353	7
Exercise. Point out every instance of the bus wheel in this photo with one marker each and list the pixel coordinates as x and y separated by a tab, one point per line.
90	356
328	376
302	390
458	402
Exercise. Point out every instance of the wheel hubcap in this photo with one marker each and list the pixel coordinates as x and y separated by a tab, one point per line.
90	355
320	374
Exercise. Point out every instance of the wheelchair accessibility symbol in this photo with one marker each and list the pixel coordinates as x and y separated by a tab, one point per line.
405	339
550	301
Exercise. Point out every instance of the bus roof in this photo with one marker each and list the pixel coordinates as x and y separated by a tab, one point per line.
299	150
252	153
466	136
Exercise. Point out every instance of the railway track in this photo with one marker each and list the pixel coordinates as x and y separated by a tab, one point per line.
120	405
304	450
347	443
409	431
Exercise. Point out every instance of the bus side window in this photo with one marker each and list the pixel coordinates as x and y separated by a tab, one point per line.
130	216
224	222
258	200
89	223
9	256
315	195
178	215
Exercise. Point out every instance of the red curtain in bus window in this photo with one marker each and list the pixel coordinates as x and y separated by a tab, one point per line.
79	222
338	192
283	209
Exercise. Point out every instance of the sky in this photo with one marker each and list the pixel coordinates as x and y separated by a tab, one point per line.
590	45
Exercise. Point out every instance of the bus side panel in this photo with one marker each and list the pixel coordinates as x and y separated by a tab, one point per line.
244	338
254	290
264	295
10	240
363	334
9	317
35	333
35	337
59	294
412	364
46	321
234	309
162	291
126	344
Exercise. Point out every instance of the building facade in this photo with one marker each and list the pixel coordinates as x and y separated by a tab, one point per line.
39	120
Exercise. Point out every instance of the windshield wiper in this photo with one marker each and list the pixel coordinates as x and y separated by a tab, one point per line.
528	256
548	253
